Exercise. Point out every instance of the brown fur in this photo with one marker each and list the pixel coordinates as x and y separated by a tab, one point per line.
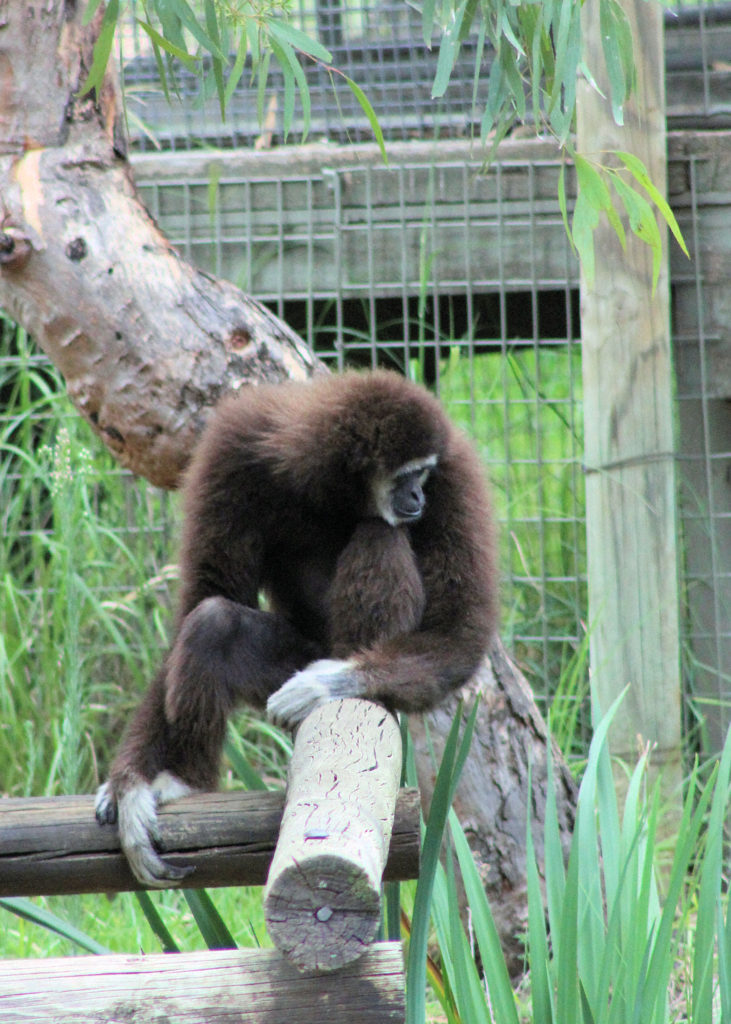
276	501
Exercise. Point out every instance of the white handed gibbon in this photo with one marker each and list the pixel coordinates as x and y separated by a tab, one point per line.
359	513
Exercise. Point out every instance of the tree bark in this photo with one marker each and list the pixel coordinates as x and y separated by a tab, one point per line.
147	344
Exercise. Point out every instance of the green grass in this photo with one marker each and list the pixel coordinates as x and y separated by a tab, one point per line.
85	596
85	601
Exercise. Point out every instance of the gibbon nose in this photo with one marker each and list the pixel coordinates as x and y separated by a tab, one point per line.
408	500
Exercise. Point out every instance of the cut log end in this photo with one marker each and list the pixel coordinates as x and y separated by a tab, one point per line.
322	900
322	914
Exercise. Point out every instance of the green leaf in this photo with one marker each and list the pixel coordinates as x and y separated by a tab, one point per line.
102	49
212	927
283	50
187	17
287	33
191	62
237	70
562	202
29	911
569	11
539	959
710	891
168	943
283	53
639	172
448	51
370	113
486	934
242	769
431	846
584	221
642	222
591	184
91	8
427	21
213	31
617	46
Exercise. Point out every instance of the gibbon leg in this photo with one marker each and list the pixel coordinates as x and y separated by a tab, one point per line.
223	653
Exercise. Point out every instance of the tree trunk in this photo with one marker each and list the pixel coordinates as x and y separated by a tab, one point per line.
147	344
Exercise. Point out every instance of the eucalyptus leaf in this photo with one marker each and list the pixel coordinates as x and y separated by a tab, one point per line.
187	17
191	62
639	172
287	33
585	220
284	55
642	222
370	113
102	49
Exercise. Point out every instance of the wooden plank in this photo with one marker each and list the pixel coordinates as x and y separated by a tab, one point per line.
228	987
322	901
52	845
629	442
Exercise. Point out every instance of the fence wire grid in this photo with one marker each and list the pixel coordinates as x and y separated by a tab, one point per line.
465	280
380	46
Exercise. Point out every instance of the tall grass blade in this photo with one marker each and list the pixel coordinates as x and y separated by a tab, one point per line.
212	926
28	911
538	954
486	934
710	892
444	787
152	915
653	985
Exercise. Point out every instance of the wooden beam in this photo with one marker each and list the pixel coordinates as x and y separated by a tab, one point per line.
228	987
322	899
52	845
628	416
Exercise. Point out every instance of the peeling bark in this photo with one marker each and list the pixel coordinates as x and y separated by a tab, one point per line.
147	344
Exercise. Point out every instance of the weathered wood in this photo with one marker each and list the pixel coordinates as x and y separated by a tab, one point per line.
322	899
628	416
52	845
228	987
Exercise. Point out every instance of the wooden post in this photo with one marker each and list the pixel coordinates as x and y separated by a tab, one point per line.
53	845
322	898
243	986
629	441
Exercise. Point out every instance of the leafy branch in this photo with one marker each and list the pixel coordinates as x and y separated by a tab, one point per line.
599	186
537	57
227	32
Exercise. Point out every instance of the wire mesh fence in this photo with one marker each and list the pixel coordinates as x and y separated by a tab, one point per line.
380	46
464	279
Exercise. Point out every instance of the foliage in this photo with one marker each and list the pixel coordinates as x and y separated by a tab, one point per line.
535	51
605	943
253	31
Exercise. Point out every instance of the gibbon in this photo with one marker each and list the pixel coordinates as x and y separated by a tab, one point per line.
337	542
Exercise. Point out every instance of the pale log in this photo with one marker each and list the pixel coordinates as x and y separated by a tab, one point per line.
53	845
322	900
230	987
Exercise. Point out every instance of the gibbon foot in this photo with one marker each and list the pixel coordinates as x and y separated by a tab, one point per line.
135	810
